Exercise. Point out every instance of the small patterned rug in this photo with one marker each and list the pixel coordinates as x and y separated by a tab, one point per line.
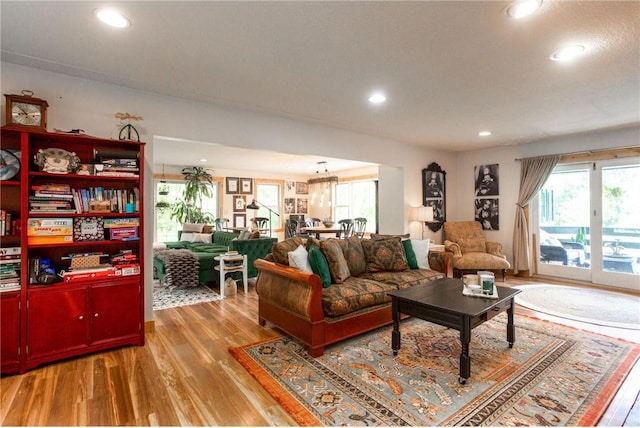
599	307
171	297
554	375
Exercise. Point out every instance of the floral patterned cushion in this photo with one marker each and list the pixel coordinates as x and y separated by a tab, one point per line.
337	263
384	255
354	294
354	254
280	250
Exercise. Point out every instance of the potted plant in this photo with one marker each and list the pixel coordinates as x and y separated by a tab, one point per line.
198	185
164	190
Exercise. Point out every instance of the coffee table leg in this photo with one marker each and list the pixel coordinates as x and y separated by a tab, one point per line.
511	330
465	360
395	334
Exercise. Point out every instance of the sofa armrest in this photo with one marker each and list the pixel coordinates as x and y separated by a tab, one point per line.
495	248
441	261
291	289
453	247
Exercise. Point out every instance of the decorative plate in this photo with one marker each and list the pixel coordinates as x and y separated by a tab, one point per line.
9	164
56	161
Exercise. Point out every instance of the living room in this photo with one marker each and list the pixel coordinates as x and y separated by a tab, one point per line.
82	97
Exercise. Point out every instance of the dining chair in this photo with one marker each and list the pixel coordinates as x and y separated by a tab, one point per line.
359	226
262	223
346	228
222	223
290	228
313	222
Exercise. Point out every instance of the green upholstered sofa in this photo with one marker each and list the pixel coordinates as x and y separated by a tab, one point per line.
221	242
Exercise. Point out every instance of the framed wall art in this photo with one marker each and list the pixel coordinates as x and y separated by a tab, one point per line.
239	204
240	220
289	188
232	185
487	213
246	186
289	205
302	188
434	194
486	180
302	206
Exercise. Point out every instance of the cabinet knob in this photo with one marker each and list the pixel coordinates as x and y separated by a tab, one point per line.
81	317
95	315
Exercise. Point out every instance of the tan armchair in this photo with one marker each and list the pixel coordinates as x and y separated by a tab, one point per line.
471	251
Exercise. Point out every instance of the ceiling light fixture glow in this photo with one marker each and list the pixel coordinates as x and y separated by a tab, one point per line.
377	98
112	18
567	53
203	160
484	133
521	8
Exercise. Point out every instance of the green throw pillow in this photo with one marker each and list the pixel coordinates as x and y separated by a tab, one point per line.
412	261
319	265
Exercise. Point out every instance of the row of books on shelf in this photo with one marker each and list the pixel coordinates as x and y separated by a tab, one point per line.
61	198
81	229
9	224
9	269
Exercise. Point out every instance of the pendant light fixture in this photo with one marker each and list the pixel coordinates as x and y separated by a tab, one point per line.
321	183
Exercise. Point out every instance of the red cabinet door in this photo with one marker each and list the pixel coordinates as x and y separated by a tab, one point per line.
57	321
9	331
116	312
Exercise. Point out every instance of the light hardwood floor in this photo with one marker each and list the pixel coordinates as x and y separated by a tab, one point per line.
184	375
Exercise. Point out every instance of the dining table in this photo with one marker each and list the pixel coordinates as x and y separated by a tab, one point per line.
319	230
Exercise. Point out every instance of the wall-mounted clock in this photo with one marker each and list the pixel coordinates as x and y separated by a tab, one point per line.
26	111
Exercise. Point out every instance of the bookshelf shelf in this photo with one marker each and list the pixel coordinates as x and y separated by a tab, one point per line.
96	309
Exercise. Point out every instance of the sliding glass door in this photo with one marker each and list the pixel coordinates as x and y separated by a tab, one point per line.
588	226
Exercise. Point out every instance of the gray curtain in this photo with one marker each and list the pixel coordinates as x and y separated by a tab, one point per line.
533	174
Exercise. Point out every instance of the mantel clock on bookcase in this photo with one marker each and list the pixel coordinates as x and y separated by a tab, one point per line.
71	238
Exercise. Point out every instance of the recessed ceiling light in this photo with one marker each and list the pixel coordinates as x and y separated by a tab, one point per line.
521	8
112	18
568	53
203	160
377	98
484	133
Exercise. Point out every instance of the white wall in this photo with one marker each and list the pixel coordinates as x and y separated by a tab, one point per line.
89	105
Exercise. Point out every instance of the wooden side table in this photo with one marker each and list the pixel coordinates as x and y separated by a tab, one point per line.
229	264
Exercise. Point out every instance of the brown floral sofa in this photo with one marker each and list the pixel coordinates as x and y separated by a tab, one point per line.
320	308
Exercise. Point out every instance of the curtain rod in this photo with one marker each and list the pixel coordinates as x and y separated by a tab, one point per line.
588	152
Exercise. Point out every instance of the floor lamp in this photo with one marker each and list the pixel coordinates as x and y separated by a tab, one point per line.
254	206
423	215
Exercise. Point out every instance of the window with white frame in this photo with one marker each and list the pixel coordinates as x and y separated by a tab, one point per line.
268	196
166	228
357	199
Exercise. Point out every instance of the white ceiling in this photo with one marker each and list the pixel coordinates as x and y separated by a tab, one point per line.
450	68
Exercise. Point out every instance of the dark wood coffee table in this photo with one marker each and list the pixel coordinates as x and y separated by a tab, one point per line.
442	302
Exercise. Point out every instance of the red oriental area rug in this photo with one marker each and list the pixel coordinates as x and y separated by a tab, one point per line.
554	375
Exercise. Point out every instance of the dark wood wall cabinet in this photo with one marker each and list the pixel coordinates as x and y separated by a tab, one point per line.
71	247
